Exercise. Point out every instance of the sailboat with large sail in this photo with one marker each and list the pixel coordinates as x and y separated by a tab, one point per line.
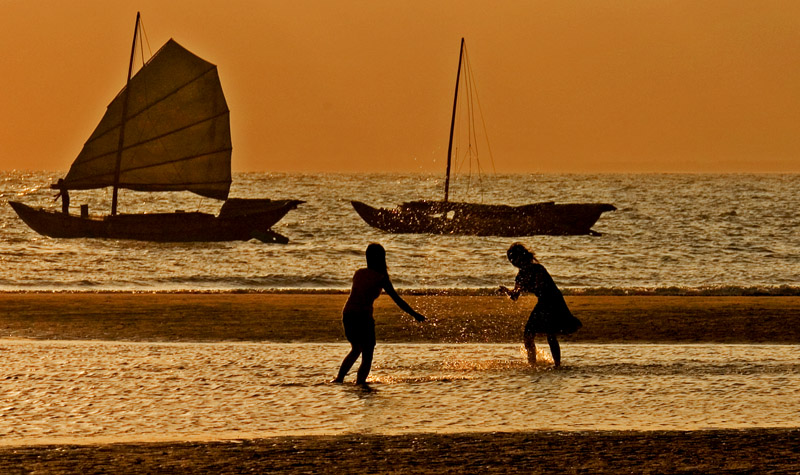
167	130
449	217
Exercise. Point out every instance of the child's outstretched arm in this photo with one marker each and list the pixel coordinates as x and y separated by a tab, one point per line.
389	288
512	293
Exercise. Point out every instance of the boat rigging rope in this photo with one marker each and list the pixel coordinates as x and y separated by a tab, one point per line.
142	40
470	95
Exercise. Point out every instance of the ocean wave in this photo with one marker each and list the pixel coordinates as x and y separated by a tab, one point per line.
717	291
721	291
713	291
249	282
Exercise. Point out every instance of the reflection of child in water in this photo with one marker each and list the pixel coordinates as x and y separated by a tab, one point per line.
550	315
359	326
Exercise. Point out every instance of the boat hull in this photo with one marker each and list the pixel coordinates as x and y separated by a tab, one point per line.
160	227
438	217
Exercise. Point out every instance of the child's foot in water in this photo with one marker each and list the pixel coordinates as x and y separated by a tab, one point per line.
365	387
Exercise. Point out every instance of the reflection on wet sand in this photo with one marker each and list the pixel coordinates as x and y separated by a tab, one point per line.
88	392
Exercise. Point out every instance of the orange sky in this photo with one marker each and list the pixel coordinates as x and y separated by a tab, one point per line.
345	85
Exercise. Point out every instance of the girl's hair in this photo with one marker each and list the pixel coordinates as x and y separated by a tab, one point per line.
518	252
376	257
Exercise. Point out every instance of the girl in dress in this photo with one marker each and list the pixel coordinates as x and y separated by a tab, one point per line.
359	326
550	315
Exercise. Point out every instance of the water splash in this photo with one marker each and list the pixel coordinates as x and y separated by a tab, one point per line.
544	358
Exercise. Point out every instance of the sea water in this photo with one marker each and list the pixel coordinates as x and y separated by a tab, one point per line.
723	233
87	392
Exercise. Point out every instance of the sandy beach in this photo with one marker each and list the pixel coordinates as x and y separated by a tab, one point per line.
314	317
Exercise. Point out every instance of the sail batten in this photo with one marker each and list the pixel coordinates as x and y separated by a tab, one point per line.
77	184
151	139
131	116
177	131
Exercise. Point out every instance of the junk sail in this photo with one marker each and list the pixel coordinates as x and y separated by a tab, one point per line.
177	132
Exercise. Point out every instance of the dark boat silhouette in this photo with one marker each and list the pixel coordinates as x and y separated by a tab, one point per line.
448	217
167	130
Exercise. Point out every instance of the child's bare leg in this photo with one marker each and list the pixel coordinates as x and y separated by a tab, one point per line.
555	350
530	347
366	364
348	362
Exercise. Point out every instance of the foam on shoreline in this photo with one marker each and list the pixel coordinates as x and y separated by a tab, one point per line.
712	291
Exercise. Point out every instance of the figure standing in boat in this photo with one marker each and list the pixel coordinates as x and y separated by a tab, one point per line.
63	193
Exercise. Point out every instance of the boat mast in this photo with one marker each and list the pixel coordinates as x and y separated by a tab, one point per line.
453	123
122	122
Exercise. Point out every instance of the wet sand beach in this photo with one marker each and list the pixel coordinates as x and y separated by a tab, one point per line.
764	451
314	317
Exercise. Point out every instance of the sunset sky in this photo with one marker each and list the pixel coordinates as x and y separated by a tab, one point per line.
350	86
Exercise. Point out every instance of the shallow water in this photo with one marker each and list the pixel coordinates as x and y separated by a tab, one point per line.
84	392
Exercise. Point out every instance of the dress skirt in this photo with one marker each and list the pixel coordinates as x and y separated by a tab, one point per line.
552	317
